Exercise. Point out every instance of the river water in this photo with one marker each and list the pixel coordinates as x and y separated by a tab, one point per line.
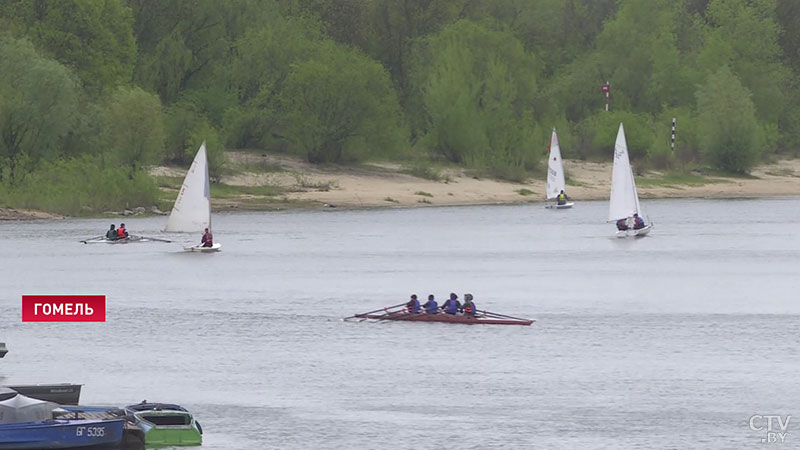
671	341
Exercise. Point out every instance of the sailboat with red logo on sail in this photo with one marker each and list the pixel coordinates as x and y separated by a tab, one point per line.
556	186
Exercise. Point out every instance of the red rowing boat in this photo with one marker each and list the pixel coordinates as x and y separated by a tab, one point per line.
482	317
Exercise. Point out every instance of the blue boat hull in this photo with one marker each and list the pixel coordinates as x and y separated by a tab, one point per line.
60	433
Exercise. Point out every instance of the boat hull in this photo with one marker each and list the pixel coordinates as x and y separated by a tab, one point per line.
61	393
127	240
3	349
199	248
445	318
61	433
630	232
557	206
166	425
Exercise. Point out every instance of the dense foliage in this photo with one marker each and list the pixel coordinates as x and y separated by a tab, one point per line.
131	83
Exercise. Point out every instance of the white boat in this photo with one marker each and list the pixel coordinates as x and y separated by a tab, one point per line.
126	240
192	210
624	203
199	248
555	175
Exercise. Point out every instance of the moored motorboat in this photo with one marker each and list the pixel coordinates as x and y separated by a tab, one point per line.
166	424
27	423
61	393
132	434
481	317
3	349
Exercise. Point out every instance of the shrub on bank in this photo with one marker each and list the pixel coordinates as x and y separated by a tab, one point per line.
80	186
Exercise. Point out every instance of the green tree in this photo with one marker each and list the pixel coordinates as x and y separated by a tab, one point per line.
603	127
340	106
92	36
397	25
185	128
38	100
264	59
476	86
744	36
727	121
556	31
188	44
135	129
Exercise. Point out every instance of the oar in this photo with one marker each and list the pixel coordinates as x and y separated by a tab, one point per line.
148	238
376	311
488	313
92	238
390	314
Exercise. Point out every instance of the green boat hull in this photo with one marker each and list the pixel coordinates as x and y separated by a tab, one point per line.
166	425
163	436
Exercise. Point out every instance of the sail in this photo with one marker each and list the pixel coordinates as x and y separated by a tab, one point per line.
555	169
624	199
192	210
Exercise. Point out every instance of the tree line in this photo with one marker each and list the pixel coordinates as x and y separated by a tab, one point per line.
118	85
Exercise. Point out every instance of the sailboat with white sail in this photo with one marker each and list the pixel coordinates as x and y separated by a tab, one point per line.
555	177
192	210
624	208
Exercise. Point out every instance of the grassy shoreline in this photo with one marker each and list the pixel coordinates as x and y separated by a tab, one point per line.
271	183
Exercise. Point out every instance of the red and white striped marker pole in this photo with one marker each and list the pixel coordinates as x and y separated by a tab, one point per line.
606	88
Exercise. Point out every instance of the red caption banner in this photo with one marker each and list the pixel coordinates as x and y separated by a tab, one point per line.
63	308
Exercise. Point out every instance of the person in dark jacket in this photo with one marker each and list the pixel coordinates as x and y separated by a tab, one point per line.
638	222
621	225
413	305
208	239
111	234
452	305
431	307
468	308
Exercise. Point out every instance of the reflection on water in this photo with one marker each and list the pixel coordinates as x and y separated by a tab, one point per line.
670	341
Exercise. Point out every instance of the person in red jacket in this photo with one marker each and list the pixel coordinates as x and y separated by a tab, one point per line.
208	239
122	232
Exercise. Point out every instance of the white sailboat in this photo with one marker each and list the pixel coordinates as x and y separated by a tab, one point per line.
624	204
192	210
555	175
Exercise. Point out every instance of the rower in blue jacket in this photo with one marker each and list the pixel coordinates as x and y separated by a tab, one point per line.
452	306
413	305
431	307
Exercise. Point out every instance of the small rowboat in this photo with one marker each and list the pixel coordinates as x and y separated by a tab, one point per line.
482	317
126	240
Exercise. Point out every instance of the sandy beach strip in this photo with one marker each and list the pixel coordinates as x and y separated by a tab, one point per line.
388	187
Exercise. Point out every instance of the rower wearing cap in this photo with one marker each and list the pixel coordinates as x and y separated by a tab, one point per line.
469	306
413	305
452	305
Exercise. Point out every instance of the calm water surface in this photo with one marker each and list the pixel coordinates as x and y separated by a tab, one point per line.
672	341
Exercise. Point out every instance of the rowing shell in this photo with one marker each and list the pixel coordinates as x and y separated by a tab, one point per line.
125	240
447	318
